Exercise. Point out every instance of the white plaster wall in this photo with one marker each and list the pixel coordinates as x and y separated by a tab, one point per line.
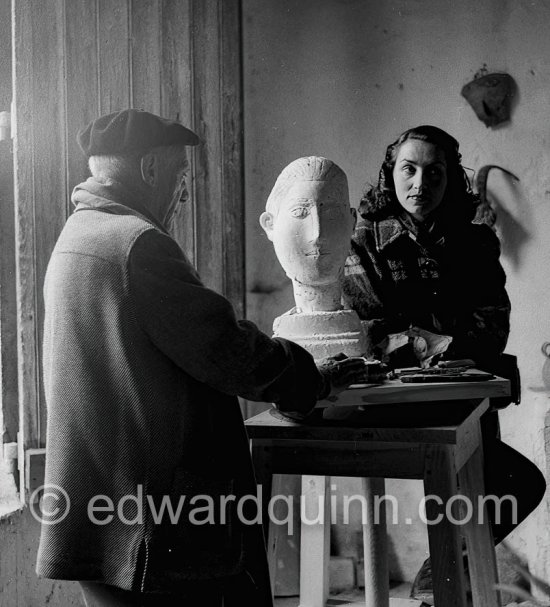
342	78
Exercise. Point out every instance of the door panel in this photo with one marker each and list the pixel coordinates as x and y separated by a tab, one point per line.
76	59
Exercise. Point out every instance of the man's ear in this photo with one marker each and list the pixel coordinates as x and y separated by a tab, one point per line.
266	221
149	169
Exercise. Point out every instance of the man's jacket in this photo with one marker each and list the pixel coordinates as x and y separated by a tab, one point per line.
142	368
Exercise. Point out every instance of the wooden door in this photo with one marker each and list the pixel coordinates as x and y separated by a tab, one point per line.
77	59
9	417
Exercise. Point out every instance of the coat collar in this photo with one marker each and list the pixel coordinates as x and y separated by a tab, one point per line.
387	231
111	198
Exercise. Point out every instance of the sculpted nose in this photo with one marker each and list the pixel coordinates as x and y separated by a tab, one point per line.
314	225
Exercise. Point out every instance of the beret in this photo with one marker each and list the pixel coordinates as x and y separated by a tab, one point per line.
131	131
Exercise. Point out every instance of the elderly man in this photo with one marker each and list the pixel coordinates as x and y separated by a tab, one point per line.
142	368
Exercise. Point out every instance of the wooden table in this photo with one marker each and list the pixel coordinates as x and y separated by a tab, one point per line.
411	431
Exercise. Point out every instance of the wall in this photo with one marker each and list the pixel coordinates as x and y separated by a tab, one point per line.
75	60
19	585
19	532
342	79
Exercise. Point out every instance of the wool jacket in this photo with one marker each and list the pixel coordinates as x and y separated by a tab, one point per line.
448	282
142	368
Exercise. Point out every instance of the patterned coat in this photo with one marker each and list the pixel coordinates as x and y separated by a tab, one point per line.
142	368
451	283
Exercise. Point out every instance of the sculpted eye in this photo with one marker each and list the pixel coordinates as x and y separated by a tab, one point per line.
299	212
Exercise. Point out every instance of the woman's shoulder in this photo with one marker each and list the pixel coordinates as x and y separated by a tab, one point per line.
364	230
364	225
378	233
481	236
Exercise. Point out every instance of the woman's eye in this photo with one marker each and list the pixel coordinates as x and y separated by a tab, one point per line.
408	169
435	174
299	212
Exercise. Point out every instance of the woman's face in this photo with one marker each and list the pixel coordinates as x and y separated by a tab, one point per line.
419	177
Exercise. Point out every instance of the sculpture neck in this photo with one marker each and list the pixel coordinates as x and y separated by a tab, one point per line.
318	298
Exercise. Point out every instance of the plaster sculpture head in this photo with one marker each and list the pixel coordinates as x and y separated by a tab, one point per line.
309	220
421	173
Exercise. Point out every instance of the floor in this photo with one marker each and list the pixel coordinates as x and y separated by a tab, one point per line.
9	501
398	598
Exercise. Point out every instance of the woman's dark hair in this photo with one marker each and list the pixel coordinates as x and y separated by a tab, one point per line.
459	202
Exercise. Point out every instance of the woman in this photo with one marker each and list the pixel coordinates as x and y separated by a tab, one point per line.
418	261
417	258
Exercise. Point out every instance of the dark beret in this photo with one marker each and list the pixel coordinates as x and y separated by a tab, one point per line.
131	131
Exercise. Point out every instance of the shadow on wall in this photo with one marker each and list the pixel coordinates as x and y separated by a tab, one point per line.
513	233
546	471
547	449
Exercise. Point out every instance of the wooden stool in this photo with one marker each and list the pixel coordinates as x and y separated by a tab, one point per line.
436	453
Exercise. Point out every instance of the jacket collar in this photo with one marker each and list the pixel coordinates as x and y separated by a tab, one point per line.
390	229
387	231
111	198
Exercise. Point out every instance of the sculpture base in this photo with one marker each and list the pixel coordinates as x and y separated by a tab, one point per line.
323	333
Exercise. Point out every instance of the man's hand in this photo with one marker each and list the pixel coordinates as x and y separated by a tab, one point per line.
339	372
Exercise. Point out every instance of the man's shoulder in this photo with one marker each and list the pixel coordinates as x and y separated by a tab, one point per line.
157	252
99	234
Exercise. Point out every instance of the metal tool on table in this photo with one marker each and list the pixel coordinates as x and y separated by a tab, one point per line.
446	371
419	378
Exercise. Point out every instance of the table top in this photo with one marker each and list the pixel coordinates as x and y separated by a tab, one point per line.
409	412
423	423
395	391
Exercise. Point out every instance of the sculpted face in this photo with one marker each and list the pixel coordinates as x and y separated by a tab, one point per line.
311	229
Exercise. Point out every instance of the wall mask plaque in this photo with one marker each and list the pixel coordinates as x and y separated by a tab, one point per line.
490	96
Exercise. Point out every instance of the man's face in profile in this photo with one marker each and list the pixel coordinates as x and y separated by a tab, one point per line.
177	188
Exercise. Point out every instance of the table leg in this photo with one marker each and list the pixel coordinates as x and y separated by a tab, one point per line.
261	460
375	544
314	541
479	537
444	537
284	535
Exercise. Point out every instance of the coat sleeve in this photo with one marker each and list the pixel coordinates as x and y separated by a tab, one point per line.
197	329
363	291
482	323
